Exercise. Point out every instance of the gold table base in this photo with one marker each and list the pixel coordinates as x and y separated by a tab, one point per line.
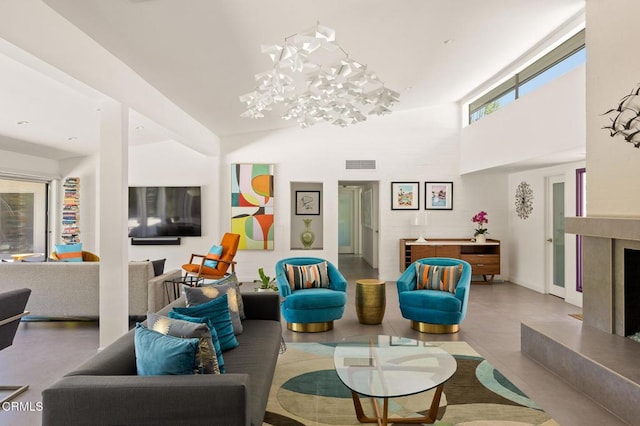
425	327
310	327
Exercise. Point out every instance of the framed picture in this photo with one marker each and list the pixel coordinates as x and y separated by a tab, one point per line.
405	196
252	205
438	195
308	202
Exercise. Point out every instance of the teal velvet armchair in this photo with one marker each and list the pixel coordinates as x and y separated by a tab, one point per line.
434	311
320	299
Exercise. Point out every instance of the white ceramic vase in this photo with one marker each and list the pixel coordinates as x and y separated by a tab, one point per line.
481	239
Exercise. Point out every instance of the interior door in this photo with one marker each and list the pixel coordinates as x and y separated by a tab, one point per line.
555	236
346	220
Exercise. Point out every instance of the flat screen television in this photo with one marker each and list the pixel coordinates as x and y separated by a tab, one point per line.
164	211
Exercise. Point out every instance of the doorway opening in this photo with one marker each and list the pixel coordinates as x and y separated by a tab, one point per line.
358	222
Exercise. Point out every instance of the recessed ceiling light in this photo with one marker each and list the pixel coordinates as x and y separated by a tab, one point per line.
448	41
139	127
72	138
22	122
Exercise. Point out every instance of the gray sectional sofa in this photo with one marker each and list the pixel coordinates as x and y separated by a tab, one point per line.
69	290
105	390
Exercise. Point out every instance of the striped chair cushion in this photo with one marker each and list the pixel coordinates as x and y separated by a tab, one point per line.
69	252
437	277
307	276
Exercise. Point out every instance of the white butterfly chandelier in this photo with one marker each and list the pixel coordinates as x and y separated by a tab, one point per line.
315	80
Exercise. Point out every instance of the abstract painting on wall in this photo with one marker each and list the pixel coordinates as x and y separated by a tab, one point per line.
252	205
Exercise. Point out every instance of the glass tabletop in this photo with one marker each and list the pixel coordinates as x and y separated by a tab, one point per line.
390	366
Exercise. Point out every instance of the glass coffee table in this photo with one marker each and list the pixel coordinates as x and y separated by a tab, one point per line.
388	367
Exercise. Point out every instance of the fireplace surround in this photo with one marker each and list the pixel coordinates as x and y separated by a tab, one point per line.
605	241
592	355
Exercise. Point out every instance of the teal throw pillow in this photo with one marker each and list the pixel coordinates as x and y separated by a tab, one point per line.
214	336
206	355
212	257
159	354
198	295
217	311
230	279
69	252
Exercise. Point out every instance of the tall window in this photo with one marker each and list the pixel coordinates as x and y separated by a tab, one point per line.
559	61
23	217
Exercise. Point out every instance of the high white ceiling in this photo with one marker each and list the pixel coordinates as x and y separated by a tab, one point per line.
203	54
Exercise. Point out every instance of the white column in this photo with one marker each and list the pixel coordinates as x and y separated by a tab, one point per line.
112	200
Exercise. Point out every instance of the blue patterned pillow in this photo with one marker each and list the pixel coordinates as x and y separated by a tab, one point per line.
214	336
217	311
159	354
69	252
212	257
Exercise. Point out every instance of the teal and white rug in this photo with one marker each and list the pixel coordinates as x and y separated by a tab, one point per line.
307	391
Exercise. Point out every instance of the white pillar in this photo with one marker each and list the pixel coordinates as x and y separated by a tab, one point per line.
113	199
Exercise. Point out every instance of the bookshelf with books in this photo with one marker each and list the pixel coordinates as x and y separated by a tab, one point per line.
71	210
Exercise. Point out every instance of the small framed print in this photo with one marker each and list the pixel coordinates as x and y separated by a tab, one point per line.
438	195
405	196
308	202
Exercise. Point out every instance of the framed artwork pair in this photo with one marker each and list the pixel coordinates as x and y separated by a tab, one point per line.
406	195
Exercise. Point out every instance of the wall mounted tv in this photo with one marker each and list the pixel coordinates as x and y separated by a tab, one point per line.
164	211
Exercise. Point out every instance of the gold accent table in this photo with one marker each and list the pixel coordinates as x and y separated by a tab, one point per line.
370	300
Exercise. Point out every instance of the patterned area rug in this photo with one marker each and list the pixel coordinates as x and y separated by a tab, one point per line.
307	391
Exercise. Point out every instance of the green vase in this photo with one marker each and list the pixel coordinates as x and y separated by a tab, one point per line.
307	237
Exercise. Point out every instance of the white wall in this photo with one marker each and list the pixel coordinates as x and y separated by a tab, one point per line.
527	246
613	68
547	121
12	162
416	145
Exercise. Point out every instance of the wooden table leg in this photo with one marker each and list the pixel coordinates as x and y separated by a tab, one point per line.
384	419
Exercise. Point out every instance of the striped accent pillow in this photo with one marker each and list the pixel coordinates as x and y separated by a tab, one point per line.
437	277
69	252
307	276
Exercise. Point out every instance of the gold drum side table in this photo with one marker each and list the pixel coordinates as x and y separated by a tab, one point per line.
370	300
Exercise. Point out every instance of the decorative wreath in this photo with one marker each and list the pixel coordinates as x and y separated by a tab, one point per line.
524	200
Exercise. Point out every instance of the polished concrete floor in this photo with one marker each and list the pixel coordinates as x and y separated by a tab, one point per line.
43	351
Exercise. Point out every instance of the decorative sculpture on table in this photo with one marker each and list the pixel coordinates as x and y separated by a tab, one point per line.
625	118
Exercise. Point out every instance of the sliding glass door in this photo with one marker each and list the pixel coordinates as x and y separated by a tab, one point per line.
23	218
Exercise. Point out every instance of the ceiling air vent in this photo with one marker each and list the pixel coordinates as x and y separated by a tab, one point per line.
361	164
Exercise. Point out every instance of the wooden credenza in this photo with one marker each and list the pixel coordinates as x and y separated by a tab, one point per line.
483	257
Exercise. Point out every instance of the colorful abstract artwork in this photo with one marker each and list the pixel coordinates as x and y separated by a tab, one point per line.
252	205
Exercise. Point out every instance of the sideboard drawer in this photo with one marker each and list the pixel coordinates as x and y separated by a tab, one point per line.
483	264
